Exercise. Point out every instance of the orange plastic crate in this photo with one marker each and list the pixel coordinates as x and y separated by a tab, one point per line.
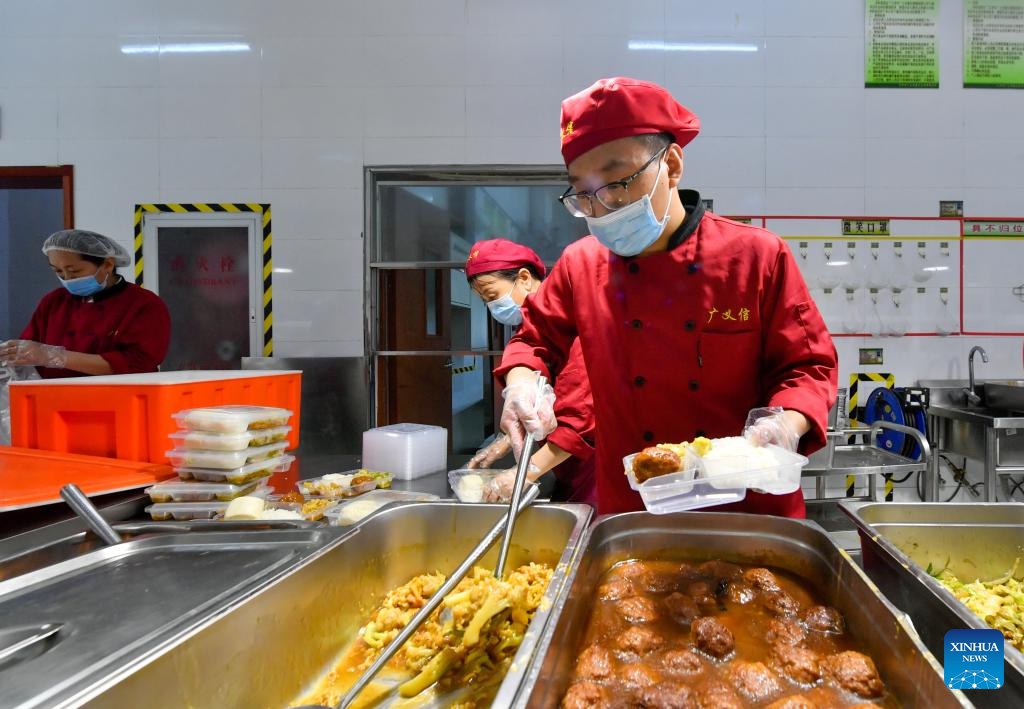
128	416
29	478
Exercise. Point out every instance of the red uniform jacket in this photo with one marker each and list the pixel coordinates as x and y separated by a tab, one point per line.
574	411
128	326
684	343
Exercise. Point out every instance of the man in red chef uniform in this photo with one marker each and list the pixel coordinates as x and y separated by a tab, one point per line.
687	321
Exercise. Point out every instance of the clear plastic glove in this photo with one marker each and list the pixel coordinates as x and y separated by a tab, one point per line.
495	450
529	408
499	488
29	352
768	425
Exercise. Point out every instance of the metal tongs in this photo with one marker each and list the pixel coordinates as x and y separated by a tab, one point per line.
519	502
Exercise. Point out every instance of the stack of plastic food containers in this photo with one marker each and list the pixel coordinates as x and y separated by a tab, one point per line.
220	453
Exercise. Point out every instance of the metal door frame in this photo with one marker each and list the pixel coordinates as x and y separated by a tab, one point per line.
147	271
376	177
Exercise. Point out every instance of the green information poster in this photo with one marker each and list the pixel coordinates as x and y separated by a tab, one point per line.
994	44
900	44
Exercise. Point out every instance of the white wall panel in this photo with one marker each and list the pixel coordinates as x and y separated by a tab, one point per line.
28	19
415	111
814	162
316	213
421	151
813	18
899	162
641	19
294	162
290	112
742	18
524	17
432	60
28	152
820	112
106	17
312	61
109	113
27	113
29	62
318	315
814	61
993	163
512	111
587	58
202	17
317	265
727	111
103	61
310	18
906	113
210	112
125	166
210	164
725	161
512	60
210	69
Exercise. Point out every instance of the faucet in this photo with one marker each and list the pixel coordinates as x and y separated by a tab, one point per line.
971	396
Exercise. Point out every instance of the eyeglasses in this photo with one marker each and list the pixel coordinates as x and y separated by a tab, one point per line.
612	196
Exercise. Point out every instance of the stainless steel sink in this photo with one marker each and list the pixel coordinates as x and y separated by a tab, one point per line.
990	433
1005	394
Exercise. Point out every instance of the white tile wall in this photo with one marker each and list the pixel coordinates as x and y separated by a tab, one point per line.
27	113
210	112
88	113
328	86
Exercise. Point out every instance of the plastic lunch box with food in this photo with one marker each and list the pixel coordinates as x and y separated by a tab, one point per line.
238	476
205	440
224	460
312	509
469	484
708	481
177	491
337	485
232	419
353	511
181	511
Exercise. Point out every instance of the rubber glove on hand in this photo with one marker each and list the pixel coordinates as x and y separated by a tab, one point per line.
529	408
769	425
495	450
28	352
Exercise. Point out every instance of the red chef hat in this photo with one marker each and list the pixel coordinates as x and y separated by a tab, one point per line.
500	255
620	107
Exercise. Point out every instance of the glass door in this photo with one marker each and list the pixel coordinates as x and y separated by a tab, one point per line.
430	342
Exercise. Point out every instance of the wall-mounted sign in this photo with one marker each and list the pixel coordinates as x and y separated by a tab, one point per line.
865	227
994	44
871	355
974	228
900	44
951	208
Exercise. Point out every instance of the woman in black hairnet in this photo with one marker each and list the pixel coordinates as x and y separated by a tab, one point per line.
96	322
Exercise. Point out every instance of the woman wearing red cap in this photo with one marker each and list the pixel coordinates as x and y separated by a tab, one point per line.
688	322
503	273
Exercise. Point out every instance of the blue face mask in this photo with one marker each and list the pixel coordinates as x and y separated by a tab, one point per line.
84	285
505	310
631	229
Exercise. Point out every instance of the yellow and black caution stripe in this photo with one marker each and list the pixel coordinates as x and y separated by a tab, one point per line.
856	415
463	370
219	207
